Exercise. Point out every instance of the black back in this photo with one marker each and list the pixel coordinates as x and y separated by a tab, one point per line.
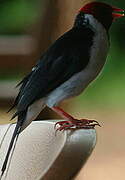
66	56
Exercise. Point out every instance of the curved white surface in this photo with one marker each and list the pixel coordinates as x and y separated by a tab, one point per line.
40	154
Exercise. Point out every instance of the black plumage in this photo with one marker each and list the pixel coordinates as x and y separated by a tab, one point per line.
67	56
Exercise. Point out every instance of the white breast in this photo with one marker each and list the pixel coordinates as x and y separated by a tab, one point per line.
80	81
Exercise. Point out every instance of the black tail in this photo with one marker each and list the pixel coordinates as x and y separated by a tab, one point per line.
21	119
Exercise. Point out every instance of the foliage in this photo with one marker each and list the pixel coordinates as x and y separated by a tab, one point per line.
16	16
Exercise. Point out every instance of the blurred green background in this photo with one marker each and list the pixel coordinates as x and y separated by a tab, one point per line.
16	16
27	28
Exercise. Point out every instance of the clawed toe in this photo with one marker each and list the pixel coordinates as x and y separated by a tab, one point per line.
61	123
64	127
90	123
76	124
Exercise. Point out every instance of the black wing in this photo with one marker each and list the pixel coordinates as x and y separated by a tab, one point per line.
67	56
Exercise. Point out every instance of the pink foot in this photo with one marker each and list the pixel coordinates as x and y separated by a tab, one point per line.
76	124
72	123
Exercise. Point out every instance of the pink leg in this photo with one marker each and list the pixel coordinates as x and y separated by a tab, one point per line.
72	122
62	113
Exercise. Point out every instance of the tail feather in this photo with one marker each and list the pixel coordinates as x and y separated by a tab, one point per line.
22	84
13	141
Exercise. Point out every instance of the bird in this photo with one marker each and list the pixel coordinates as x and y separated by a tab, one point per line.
65	69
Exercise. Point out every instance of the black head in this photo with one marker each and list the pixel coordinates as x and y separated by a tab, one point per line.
103	12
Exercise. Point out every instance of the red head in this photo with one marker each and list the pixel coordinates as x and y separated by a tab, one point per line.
102	12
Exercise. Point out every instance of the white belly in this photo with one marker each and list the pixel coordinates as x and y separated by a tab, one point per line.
77	83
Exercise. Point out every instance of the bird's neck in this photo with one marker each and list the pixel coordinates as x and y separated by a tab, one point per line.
83	19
